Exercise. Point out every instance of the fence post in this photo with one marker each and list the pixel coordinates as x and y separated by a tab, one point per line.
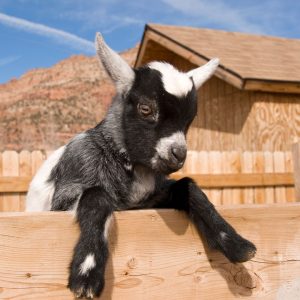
296	160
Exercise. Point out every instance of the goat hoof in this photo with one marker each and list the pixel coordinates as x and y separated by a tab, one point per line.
85	287
236	248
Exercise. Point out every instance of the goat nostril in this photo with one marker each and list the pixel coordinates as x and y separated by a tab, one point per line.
179	153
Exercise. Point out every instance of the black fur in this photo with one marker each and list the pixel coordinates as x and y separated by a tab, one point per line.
101	171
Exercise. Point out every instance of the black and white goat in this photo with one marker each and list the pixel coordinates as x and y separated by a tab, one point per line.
123	163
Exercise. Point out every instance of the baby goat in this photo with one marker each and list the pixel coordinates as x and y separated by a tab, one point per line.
123	163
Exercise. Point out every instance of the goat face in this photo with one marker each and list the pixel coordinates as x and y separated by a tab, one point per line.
158	106
155	121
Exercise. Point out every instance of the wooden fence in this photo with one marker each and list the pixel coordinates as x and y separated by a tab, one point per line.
155	255
226	177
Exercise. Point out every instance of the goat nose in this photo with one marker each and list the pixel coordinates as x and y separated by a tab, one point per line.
179	153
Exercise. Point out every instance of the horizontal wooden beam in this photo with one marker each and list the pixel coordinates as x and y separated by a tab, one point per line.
240	180
272	86
15	184
156	254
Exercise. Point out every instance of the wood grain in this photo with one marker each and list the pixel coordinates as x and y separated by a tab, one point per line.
269	168
296	159
230	117
155	255
14	184
11	201
24	171
240	180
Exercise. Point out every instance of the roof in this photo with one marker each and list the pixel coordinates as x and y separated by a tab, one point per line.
253	62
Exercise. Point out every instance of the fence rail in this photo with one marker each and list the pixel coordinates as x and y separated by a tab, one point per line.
155	255
226	177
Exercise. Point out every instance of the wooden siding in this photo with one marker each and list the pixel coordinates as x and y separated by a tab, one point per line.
231	119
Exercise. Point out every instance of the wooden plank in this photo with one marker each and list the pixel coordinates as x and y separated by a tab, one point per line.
272	86
37	158
247	167
10	202
231	165
14	184
296	160
290	191
240	180
214	165
24	171
258	167
20	184
269	168
279	166
1	194
155	255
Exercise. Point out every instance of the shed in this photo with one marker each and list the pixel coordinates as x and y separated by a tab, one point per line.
253	101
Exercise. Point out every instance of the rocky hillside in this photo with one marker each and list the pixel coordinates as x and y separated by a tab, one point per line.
44	108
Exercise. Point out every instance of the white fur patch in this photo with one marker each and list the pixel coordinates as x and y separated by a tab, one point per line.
174	81
223	235
107	226
164	144
88	264
40	191
143	184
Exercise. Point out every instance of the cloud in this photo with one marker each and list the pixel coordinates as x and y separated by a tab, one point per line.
215	12
59	36
8	60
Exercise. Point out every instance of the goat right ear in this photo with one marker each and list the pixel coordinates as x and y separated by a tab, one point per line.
117	68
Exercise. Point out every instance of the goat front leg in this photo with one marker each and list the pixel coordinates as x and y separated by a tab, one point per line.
185	195
90	256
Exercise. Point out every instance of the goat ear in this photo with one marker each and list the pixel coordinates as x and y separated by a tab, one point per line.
116	67
203	73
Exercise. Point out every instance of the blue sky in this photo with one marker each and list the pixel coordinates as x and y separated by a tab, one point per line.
39	33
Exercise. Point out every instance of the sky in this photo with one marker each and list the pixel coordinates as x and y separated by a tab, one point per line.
39	33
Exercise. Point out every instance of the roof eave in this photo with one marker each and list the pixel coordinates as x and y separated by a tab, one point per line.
228	75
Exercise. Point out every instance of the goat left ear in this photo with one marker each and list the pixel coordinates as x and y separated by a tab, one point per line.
203	73
116	67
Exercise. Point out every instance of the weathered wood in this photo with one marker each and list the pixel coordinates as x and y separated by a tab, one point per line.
155	255
296	159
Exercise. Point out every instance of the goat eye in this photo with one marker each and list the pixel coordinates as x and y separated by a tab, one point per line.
144	109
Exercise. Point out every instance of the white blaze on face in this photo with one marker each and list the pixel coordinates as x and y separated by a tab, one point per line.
174	81
164	144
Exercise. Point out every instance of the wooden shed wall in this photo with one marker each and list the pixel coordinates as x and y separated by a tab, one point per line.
231	119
